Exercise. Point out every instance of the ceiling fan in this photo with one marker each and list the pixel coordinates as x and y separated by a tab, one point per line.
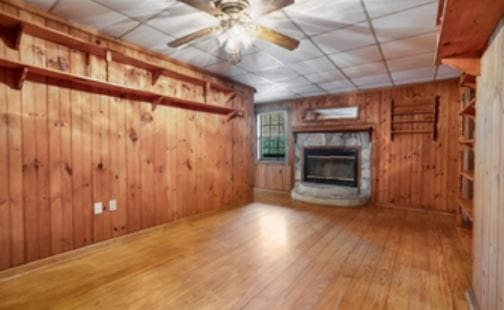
236	29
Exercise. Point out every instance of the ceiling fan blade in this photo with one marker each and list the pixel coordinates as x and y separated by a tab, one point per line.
264	7
275	37
192	36
203	5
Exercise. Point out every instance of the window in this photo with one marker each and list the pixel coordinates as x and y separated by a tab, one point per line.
271	136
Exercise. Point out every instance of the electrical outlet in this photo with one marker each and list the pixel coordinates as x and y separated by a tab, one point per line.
112	205
98	208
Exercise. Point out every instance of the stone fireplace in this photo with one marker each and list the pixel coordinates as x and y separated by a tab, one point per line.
333	168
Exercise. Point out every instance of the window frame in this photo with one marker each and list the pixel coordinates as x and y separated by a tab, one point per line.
260	137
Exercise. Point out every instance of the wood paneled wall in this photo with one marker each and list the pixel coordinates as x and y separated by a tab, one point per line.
408	171
63	148
488	230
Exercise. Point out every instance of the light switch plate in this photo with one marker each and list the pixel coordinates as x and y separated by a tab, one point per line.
98	208
113	205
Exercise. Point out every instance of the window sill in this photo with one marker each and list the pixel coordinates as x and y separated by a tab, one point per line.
272	162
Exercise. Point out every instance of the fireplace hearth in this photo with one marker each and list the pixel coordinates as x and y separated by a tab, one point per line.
331	165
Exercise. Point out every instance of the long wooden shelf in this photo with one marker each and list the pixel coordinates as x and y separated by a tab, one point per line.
467	206
467	80
470	109
467	174
25	71
467	142
13	28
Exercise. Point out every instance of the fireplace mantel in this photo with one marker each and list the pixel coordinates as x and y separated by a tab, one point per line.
333	128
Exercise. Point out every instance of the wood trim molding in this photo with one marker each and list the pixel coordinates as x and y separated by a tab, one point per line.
332	128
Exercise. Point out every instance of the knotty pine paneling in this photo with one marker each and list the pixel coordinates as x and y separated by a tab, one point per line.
488	229
410	171
63	148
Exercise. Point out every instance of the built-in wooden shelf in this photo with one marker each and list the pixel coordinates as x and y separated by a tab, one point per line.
467	207
470	109
468	174
467	142
12	28
468	80
25	71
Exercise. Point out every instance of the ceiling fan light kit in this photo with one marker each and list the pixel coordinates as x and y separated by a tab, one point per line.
237	30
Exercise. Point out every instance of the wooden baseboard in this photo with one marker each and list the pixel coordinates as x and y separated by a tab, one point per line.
471	300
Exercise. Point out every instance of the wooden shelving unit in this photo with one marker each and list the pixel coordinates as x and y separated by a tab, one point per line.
465	206
414	118
13	28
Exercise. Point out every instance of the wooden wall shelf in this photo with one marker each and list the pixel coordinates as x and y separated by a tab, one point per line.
25	71
467	142
468	174
467	80
13	28
467	206
470	109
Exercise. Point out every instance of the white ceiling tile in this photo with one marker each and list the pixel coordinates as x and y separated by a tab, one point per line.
414	75
376	85
446	72
337	86
139	10
316	17
378	8
225	68
42	4
195	56
314	93
277	75
356	57
406	24
252	79
373	80
412	46
293	83
311	88
411	62
325	77
366	70
259	61
321	64
149	38
95	15
345	39
180	20
306	50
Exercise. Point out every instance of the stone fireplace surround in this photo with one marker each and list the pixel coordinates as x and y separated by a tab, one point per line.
334	195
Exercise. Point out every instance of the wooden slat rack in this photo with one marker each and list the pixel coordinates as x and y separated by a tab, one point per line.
465	207
12	29
414	118
25	71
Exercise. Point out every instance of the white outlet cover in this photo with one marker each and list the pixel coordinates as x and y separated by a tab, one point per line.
98	208
113	205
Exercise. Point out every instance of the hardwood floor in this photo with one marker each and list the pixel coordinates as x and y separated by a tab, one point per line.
271	254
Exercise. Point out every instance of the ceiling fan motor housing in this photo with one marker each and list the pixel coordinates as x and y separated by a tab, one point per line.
232	7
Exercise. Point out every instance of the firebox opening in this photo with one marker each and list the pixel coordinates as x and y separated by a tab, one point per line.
335	165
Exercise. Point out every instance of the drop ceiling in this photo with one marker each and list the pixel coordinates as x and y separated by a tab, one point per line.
346	45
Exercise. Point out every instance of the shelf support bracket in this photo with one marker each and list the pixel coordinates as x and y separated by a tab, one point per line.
108	59
469	65
156	102
156	74
206	91
21	77
13	35
234	114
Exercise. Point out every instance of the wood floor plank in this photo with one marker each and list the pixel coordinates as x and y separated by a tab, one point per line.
271	254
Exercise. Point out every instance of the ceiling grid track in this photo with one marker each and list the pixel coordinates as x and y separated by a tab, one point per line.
377	42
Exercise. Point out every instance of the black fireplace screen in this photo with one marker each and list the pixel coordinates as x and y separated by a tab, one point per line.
337	166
